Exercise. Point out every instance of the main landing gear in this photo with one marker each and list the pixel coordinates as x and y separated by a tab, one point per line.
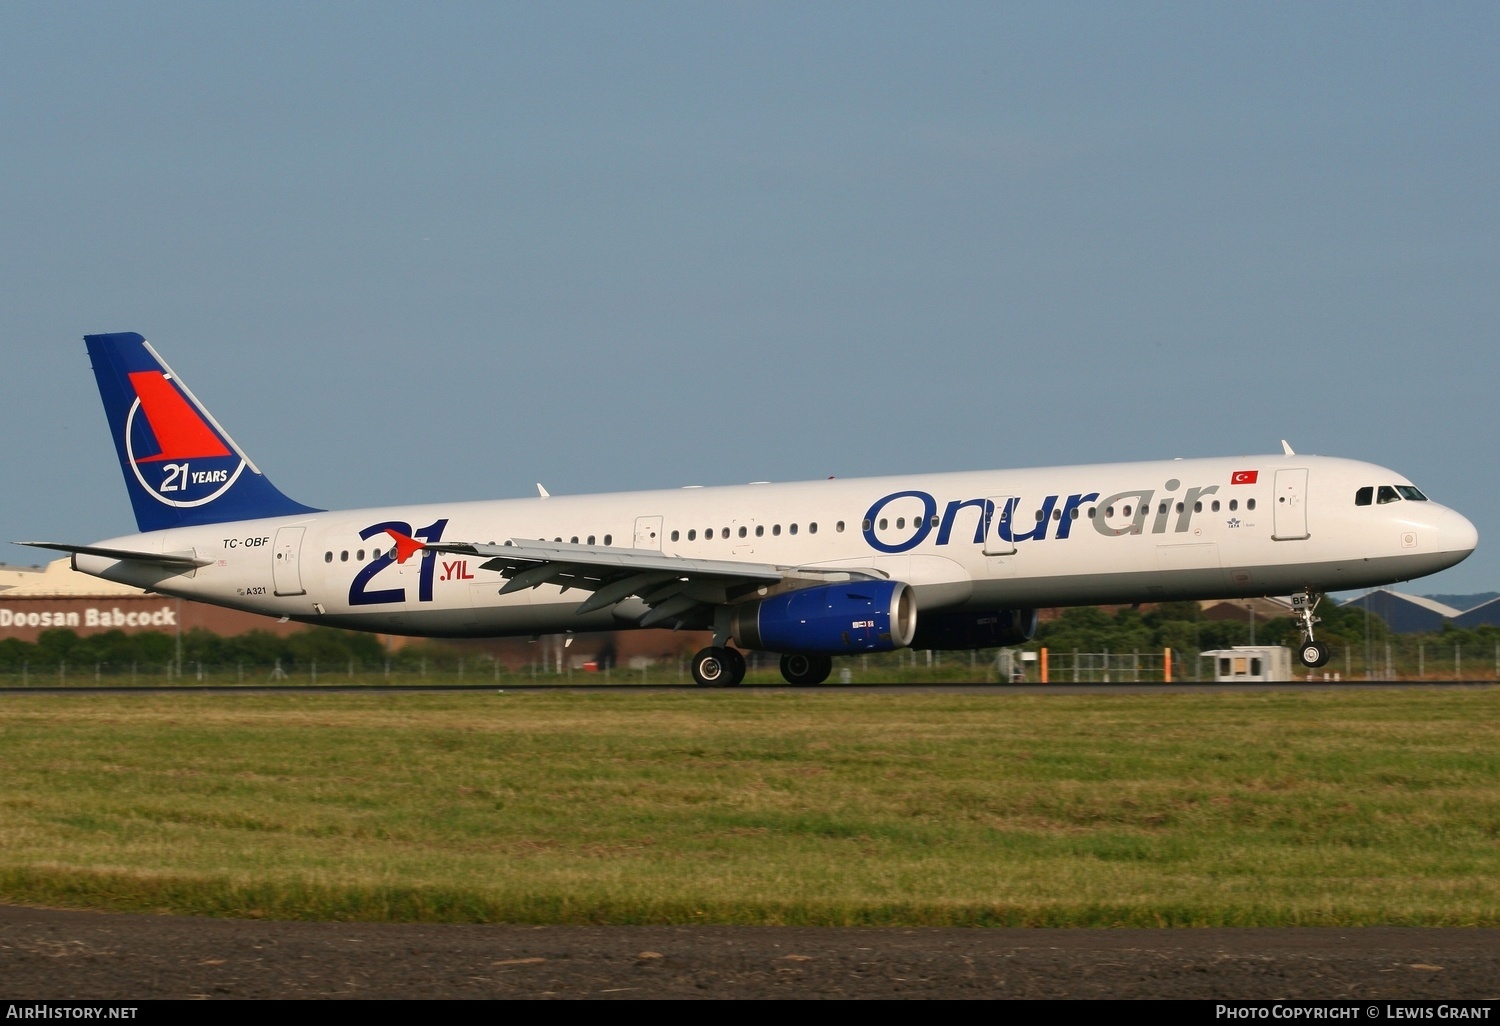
718	667
806	669
1312	653
723	667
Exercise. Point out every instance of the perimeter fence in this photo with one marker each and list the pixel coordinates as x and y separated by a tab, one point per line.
1393	660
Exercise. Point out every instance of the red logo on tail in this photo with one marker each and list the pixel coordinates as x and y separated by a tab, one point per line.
180	430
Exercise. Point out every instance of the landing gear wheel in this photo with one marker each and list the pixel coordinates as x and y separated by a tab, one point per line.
711	668
718	668
806	669
1313	654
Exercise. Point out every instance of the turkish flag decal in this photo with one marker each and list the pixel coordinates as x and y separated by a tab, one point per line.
1243	477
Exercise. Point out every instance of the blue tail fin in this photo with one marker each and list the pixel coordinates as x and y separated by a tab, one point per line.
181	468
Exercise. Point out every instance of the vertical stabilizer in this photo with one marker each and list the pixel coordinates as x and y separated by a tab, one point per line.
181	468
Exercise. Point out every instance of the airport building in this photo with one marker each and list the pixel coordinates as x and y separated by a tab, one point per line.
36	599
1405	614
1480	615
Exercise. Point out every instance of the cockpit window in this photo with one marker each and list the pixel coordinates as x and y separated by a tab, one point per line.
1411	492
1365	496
1387	494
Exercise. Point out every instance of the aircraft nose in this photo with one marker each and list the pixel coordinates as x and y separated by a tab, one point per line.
1456	533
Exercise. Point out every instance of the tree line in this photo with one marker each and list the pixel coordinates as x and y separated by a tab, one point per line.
1182	627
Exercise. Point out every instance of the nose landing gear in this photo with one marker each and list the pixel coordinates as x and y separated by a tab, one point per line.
1312	653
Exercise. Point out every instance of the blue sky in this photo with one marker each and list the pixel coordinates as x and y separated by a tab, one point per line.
441	250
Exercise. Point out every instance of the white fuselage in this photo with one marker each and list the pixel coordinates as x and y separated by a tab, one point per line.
1177	529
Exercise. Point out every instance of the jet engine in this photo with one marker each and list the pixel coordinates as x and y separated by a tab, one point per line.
960	631
829	619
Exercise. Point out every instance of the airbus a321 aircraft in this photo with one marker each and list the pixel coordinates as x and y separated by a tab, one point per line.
809	570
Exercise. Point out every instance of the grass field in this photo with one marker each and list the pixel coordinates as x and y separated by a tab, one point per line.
1315	808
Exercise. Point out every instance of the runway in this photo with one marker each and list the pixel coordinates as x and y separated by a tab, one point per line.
52	954
1188	688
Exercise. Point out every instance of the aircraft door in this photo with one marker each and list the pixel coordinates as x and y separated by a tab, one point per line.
648	533
1290	513
285	575
997	543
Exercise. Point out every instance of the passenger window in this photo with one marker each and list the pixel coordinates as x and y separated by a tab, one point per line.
1160	510
1075	513
674	535
1387	494
812	528
900	523
1180	507
866	525
591	540
760	530
839	527
692	535
776	530
574	540
1216	506
607	538
1092	511
882	523
344	556
793	529
1198	507
328	557
1127	511
1249	503
1040	516
360	555
1234	504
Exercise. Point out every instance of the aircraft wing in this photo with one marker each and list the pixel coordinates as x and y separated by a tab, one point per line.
680	591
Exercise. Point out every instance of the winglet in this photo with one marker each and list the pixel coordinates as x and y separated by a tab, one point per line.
542	492
1286	448
405	545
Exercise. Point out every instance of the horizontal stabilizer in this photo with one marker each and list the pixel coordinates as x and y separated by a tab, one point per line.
176	560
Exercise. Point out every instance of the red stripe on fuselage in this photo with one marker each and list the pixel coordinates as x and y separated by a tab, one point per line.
180	430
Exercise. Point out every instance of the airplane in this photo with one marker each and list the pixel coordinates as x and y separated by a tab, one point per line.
809	570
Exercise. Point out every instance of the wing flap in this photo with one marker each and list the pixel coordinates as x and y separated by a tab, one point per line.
519	555
677	589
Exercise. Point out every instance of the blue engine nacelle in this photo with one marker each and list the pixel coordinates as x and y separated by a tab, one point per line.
857	616
960	631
